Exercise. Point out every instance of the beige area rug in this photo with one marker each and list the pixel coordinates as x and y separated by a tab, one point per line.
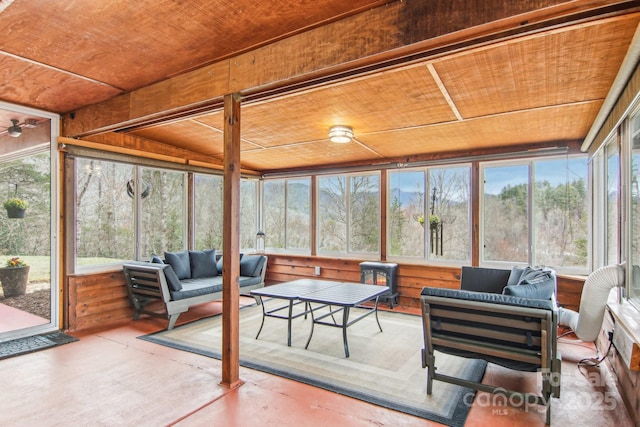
384	368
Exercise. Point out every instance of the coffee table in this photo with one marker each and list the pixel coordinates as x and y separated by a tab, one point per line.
289	291
342	295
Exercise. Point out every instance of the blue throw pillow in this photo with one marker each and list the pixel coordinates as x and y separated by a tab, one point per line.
156	259
250	265
172	280
180	263
514	276
203	263
534	283
219	264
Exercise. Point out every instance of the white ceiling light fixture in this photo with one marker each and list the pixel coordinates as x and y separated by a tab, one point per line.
14	130
340	134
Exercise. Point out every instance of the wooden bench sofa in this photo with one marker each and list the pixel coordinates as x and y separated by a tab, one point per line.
155	282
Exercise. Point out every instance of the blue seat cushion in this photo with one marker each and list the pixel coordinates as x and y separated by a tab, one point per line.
196	287
488	297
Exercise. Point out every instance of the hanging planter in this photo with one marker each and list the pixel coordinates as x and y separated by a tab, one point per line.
16	208
434	221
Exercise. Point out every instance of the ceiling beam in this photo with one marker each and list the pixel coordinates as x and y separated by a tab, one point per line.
398	31
133	145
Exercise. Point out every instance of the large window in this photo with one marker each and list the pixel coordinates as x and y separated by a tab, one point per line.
405	214
287	214
535	212
248	214
434	223
560	212
612	200
122	207
163	211
634	172
131	212
505	210
105	227
349	214
208	211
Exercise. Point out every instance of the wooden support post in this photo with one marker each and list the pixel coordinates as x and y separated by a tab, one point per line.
231	245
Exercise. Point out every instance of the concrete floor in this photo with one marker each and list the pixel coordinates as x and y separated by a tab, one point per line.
111	378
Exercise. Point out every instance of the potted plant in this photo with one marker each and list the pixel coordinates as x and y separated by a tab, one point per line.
14	277
434	221
15	207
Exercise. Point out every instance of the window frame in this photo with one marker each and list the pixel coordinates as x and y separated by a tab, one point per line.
285	186
530	162
349	253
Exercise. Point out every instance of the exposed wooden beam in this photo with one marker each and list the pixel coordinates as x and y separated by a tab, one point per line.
231	245
135	146
394	32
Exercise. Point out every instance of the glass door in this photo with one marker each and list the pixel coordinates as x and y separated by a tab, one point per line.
28	255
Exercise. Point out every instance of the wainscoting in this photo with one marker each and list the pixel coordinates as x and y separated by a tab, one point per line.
96	301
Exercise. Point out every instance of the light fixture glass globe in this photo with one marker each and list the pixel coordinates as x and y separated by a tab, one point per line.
14	130
340	134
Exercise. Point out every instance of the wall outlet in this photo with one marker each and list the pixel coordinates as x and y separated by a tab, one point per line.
316	271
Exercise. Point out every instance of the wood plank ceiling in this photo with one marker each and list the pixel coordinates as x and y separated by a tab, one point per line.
539	88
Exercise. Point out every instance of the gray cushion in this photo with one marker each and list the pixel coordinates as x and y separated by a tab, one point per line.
219	264
514	276
156	259
196	287
249	281
537	283
488	297
180	263
172	279
203	263
251	265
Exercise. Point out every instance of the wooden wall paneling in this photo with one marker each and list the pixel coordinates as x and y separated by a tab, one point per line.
411	277
98	301
68	233
626	379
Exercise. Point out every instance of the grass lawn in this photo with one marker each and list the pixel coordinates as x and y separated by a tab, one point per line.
41	265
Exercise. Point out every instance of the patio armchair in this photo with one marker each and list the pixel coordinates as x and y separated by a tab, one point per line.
517	332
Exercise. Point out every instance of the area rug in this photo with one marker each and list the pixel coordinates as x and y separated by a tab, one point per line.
384	368
33	343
